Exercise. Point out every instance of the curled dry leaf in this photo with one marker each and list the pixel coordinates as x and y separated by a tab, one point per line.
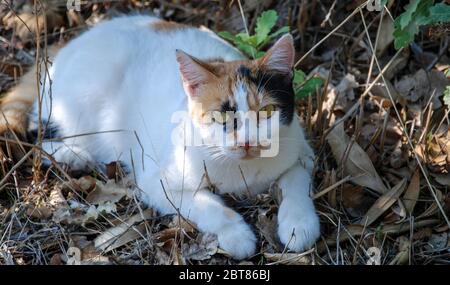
383	203
412	193
83	252
357	163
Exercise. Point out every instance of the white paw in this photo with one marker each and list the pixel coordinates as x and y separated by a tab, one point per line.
299	232
238	240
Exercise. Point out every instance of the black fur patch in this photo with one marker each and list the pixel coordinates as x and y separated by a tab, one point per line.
50	131
278	86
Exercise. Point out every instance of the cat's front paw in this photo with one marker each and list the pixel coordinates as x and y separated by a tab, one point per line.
299	232
238	240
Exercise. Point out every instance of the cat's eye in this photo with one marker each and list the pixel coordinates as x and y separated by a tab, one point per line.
220	117
266	111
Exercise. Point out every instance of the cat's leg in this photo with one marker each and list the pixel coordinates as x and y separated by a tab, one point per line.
298	223
210	214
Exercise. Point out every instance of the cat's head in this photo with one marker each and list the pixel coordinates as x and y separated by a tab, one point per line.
241	107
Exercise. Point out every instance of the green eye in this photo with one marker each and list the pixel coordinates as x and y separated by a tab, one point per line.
220	117
266	111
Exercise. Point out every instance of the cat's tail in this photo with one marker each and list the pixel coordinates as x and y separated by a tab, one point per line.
15	107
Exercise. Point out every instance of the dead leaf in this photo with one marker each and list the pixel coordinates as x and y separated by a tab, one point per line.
201	250
433	208
439	241
412	193
109	192
355	200
83	252
124	233
385	37
404	248
383	203
26	24
443	179
358	163
268	228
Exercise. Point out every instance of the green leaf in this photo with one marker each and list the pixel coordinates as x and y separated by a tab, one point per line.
227	35
406	17
280	31
299	77
244	37
404	37
260	54
407	25
447	72
264	25
447	96
309	87
440	13
249	50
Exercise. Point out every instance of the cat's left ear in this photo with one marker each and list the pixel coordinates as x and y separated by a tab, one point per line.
194	72
280	57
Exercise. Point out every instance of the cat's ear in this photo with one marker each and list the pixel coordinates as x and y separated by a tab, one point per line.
194	72
280	57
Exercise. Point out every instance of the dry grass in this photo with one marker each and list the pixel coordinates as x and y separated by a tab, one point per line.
381	171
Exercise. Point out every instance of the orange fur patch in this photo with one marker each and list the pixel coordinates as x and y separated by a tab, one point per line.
167	26
215	93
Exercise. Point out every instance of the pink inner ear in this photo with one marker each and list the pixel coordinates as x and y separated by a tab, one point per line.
192	72
280	57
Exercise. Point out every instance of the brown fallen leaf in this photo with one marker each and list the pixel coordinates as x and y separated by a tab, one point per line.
83	252
203	248
383	203
26	24
386	37
122	234
357	164
443	179
268	228
412	193
433	208
404	248
109	192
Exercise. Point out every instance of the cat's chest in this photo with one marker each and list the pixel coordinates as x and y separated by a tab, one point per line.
239	179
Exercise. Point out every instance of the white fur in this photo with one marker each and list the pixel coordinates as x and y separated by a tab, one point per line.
122	75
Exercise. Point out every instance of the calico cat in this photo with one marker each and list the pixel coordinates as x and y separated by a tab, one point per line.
124	80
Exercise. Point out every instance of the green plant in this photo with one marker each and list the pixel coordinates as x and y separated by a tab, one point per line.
252	46
447	96
418	13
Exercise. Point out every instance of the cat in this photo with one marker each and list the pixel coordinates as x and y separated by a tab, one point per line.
113	95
